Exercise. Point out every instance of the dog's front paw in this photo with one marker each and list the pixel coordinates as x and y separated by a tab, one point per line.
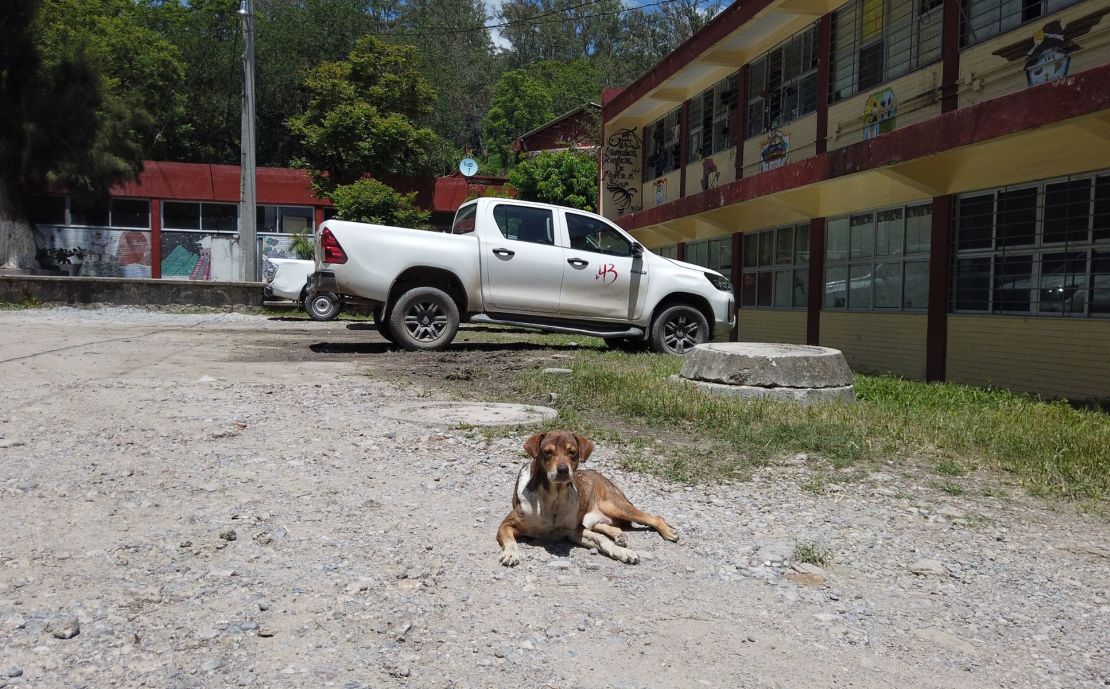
668	534
626	556
509	558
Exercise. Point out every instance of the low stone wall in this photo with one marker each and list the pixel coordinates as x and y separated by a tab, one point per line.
51	289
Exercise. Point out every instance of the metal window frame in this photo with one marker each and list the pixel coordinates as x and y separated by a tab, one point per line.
774	268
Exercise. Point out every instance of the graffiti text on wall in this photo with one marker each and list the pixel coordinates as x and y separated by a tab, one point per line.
621	163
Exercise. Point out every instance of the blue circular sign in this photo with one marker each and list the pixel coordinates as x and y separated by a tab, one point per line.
468	167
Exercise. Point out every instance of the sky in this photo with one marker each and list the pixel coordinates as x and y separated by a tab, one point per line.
492	8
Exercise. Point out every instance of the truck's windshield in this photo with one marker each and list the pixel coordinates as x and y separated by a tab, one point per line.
464	219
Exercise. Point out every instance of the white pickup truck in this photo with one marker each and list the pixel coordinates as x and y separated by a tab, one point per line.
525	264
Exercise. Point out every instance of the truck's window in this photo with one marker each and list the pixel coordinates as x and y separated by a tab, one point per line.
464	219
525	224
590	234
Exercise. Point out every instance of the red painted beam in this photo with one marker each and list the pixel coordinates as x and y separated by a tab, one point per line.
1074	96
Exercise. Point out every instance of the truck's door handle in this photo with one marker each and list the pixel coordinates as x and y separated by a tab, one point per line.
504	252
577	262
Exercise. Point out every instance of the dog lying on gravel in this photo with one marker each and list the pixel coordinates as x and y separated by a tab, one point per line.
554	500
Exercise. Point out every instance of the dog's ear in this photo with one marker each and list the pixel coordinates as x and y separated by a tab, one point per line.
532	445
585	447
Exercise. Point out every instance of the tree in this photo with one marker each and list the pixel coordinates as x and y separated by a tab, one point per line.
564	177
526	98
369	200
364	117
560	30
84	90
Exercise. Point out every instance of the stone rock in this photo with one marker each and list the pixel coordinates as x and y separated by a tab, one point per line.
557	371
15	671
774	551
928	568
767	365
559	564
64	626
782	394
806	568
824	616
229	535
945	640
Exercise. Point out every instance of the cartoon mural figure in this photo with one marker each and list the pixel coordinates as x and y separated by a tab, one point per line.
134	254
775	150
710	175
1048	53
621	158
879	114
661	192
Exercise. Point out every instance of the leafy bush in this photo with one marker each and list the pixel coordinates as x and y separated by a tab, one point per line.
564	177
369	200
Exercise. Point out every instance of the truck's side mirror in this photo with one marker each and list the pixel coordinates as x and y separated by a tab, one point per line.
637	250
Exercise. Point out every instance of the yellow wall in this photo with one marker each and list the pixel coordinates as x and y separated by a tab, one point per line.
877	342
984	75
673	192
772	325
1056	357
726	165
803	144
917	98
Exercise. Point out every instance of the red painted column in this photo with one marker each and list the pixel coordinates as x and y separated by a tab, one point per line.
816	280
680	251
824	53
950	56
737	279
738	127
683	155
156	238
318	213
940	267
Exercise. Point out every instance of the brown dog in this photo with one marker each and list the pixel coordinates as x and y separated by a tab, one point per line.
553	500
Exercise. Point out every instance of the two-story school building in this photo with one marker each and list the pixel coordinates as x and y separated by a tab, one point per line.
923	184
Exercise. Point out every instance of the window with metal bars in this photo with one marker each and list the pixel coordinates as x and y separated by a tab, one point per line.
1036	249
667	251
715	254
782	83
661	139
875	41
775	271
983	19
879	260
709	115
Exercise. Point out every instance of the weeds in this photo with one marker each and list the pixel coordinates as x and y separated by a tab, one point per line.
811	553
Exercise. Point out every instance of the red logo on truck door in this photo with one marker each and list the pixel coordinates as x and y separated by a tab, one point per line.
607	273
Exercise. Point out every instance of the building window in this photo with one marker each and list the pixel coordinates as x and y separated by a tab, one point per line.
130	213
667	251
782	83
285	219
715	254
709	116
204	217
983	19
1041	249
879	260
875	41
775	272
89	212
661	138
47	210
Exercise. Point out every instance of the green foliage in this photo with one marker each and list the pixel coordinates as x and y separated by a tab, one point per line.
564	177
302	245
526	98
812	553
362	117
369	200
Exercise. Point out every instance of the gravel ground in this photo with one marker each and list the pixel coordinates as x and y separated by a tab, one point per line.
217	500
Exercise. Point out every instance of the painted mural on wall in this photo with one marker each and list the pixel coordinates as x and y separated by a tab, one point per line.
710	175
660	189
199	256
774	151
1048	52
621	164
880	113
99	252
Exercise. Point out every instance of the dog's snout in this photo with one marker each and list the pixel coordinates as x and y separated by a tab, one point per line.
564	469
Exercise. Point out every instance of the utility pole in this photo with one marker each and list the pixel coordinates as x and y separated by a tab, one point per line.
248	214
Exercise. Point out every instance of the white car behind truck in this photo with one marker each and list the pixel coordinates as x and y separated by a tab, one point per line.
525	264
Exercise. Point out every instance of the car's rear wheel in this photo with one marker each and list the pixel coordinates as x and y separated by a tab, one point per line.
678	329
424	318
323	306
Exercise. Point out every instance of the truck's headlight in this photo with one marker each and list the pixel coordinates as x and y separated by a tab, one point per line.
719	281
269	270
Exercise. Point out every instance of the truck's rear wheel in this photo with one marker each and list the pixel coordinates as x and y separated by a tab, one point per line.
678	329
424	318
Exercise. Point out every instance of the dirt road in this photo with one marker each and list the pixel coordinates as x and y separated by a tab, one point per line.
218	501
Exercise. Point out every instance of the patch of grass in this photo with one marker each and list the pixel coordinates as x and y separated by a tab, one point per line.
1051	447
28	303
812	553
815	484
950	467
949	487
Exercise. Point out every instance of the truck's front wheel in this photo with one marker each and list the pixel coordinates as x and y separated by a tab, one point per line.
424	318
678	330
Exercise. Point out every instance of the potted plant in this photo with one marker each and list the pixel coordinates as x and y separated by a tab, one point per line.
68	260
